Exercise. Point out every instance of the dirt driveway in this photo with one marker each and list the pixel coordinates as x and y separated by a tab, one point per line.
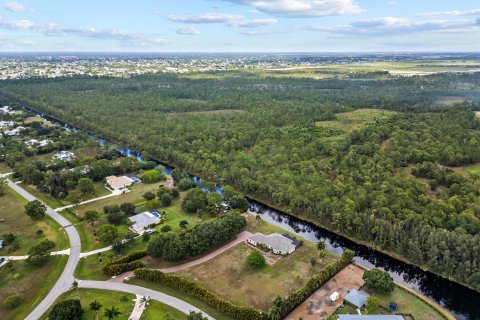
318	305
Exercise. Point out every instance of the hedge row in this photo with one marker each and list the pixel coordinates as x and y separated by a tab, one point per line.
282	307
119	268
135	255
196	290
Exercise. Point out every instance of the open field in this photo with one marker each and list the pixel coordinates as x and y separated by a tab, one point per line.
32	284
181	295
350	121
229	276
24	228
106	298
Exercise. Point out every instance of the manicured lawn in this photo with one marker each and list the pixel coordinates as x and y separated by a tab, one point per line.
350	121
106	298
230	277
159	311
183	296
32	284
45	198
24	228
90	268
409	303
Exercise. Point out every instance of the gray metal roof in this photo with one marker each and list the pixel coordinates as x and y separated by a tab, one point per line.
142	220
357	298
275	240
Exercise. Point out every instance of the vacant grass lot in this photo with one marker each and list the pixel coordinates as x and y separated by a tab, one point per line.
24	228
32	284
159	311
106	298
350	121
229	276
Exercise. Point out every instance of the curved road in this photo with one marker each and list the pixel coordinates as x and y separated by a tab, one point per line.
66	279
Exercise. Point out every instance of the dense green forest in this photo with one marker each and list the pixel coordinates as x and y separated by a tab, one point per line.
386	182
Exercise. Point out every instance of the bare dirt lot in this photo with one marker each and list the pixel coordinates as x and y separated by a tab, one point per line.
318	305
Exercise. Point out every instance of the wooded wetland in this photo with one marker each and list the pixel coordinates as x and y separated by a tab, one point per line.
391	162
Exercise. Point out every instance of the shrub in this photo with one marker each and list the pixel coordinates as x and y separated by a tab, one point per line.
152	176
107	233
67	310
114	218
12	302
185	184
183	224
193	288
175	193
165	200
135	255
378	280
166	229
372	304
119	268
256	260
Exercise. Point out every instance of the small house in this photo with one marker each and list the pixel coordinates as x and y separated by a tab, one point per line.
142	221
357	298
278	243
117	183
64	156
5	124
5	109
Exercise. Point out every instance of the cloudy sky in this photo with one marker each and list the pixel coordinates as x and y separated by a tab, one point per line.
240	25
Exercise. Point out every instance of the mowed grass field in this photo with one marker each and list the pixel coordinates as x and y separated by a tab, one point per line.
31	284
12	209
350	121
106	298
229	276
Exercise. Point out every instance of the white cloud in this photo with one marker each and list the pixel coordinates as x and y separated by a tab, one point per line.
303	8
454	13
186	30
14	6
233	20
392	26
53	29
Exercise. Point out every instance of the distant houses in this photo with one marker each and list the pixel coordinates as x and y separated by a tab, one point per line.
142	221
278	243
6	124
14	132
5	109
36	143
64	156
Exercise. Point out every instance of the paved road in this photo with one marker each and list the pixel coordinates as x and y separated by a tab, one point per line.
66	278
154	295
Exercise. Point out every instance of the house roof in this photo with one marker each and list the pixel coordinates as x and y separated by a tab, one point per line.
276	241
369	317
356	297
142	220
118	182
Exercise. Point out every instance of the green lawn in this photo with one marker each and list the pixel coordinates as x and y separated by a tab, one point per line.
32	284
106	298
90	268
24	228
183	296
159	311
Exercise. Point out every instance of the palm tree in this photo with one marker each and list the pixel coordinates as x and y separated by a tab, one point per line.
75	287
112	313
124	299
95	306
321	245
275	313
145	300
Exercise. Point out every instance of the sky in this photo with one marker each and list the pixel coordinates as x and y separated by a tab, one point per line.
240	25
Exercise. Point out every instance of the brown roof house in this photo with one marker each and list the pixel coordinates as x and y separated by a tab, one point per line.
117	183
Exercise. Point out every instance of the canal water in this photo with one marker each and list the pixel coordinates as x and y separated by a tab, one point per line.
461	301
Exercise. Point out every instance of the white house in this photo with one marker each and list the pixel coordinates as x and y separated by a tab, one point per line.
15	132
64	156
117	183
5	109
35	142
4	124
140	222
278	243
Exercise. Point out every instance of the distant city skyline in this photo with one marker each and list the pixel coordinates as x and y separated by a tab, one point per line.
240	26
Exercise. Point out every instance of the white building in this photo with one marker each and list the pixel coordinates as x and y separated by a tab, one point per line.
4	124
278	243
5	109
15	132
36	143
117	183
142	221
64	156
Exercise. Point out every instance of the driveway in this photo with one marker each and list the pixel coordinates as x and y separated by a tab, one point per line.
141	291
241	237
